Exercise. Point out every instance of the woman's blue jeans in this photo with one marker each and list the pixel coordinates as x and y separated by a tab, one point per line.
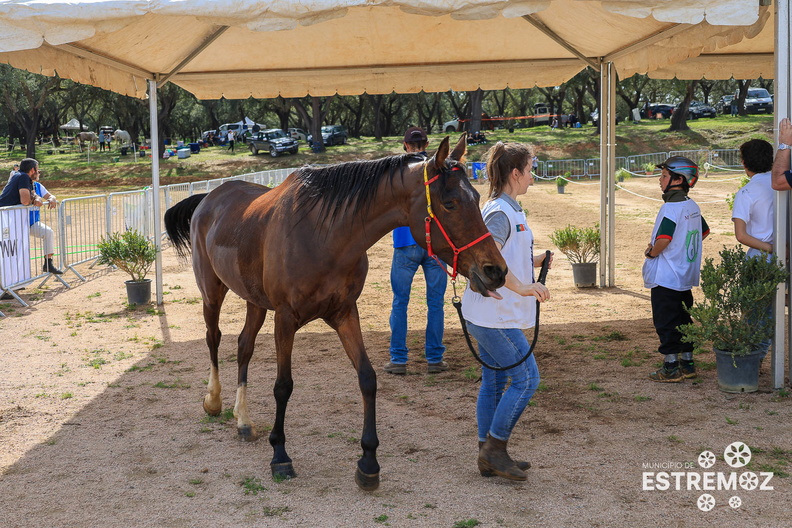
406	261
498	407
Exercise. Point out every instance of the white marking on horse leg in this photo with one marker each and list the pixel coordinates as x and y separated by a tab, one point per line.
244	425
213	404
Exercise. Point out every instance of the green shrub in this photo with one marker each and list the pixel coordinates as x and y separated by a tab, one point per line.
562	181
649	167
579	244
738	293
129	251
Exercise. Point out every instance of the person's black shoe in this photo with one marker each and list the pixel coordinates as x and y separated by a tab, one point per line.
49	267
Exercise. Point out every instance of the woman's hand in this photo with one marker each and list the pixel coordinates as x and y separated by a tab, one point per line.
539	261
538	290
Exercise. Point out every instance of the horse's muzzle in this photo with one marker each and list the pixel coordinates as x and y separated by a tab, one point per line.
487	279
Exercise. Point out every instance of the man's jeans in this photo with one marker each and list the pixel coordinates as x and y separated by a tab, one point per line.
497	411
406	261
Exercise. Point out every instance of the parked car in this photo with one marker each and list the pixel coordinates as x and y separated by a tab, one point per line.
299	134
451	126
657	111
332	135
274	140
758	101
723	106
698	109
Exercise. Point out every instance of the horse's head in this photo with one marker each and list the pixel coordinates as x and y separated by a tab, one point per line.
455	204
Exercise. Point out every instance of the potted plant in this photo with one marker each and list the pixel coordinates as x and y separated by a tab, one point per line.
133	253
581	245
562	182
623	174
649	168
734	316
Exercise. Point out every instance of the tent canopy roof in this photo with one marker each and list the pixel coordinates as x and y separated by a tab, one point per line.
281	47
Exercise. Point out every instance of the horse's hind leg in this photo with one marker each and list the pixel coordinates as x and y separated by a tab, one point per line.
348	327
285	328
212	302
247	340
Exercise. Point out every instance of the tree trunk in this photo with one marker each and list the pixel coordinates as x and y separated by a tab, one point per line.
679	117
476	97
743	93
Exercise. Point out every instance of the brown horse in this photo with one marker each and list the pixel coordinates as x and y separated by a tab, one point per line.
300	249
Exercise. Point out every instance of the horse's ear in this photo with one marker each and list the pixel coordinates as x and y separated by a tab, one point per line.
441	154
460	149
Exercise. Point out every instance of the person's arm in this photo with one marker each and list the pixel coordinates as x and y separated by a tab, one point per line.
741	232
539	260
48	197
664	236
782	178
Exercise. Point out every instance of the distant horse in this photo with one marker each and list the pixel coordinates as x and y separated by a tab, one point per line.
86	137
300	249
123	138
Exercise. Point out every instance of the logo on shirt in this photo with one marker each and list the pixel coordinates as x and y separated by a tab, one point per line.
521	227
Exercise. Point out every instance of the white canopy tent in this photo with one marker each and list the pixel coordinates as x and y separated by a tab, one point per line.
73	124
322	47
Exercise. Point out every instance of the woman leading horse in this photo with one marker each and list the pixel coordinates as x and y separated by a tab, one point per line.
300	249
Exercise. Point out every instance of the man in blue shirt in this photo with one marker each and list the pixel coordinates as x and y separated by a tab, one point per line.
407	257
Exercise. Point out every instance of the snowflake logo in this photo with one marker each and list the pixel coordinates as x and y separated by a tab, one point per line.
737	454
706	459
706	502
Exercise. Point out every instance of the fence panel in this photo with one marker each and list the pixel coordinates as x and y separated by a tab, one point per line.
593	166
699	156
637	162
83	223
726	158
575	167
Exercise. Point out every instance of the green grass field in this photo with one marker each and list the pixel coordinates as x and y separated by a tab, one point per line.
73	171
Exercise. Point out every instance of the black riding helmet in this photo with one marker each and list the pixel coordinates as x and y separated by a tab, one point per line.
681	167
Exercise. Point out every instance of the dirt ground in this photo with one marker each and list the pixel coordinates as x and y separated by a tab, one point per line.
101	420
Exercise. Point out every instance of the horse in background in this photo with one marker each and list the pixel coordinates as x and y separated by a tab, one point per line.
123	138
299	249
81	138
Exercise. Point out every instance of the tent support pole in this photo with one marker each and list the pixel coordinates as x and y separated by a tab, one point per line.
538	24
607	118
189	58
783	227
155	185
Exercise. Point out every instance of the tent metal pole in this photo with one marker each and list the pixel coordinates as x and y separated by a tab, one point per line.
611	147
538	24
189	58
155	184
783	221
663	34
607	120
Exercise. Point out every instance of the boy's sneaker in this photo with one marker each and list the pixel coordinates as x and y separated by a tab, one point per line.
395	368
669	373
687	368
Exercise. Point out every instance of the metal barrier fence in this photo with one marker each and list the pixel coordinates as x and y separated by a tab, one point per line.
637	162
726	158
575	167
699	156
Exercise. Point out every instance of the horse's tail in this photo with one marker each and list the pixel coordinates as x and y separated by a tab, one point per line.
177	223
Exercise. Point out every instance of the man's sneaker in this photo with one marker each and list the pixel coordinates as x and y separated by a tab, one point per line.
670	373
687	368
435	368
395	368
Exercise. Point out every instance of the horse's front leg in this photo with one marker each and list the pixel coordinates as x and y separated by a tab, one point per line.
285	328
347	325
247	340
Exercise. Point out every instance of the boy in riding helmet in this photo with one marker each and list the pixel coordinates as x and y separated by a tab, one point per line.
673	266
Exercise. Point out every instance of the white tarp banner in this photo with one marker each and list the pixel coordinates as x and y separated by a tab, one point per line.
14	246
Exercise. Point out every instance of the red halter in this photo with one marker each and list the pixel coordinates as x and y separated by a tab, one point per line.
428	222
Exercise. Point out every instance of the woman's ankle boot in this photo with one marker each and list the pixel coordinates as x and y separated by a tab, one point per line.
494	459
522	464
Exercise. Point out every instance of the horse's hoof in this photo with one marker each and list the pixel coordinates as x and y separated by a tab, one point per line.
283	469
211	410
366	482
246	433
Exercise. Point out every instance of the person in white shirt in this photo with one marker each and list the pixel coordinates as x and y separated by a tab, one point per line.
754	206
673	266
497	322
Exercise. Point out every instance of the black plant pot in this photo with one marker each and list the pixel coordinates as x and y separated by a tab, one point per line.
138	292
738	373
584	274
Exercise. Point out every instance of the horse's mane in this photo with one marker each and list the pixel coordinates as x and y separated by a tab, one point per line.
349	187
